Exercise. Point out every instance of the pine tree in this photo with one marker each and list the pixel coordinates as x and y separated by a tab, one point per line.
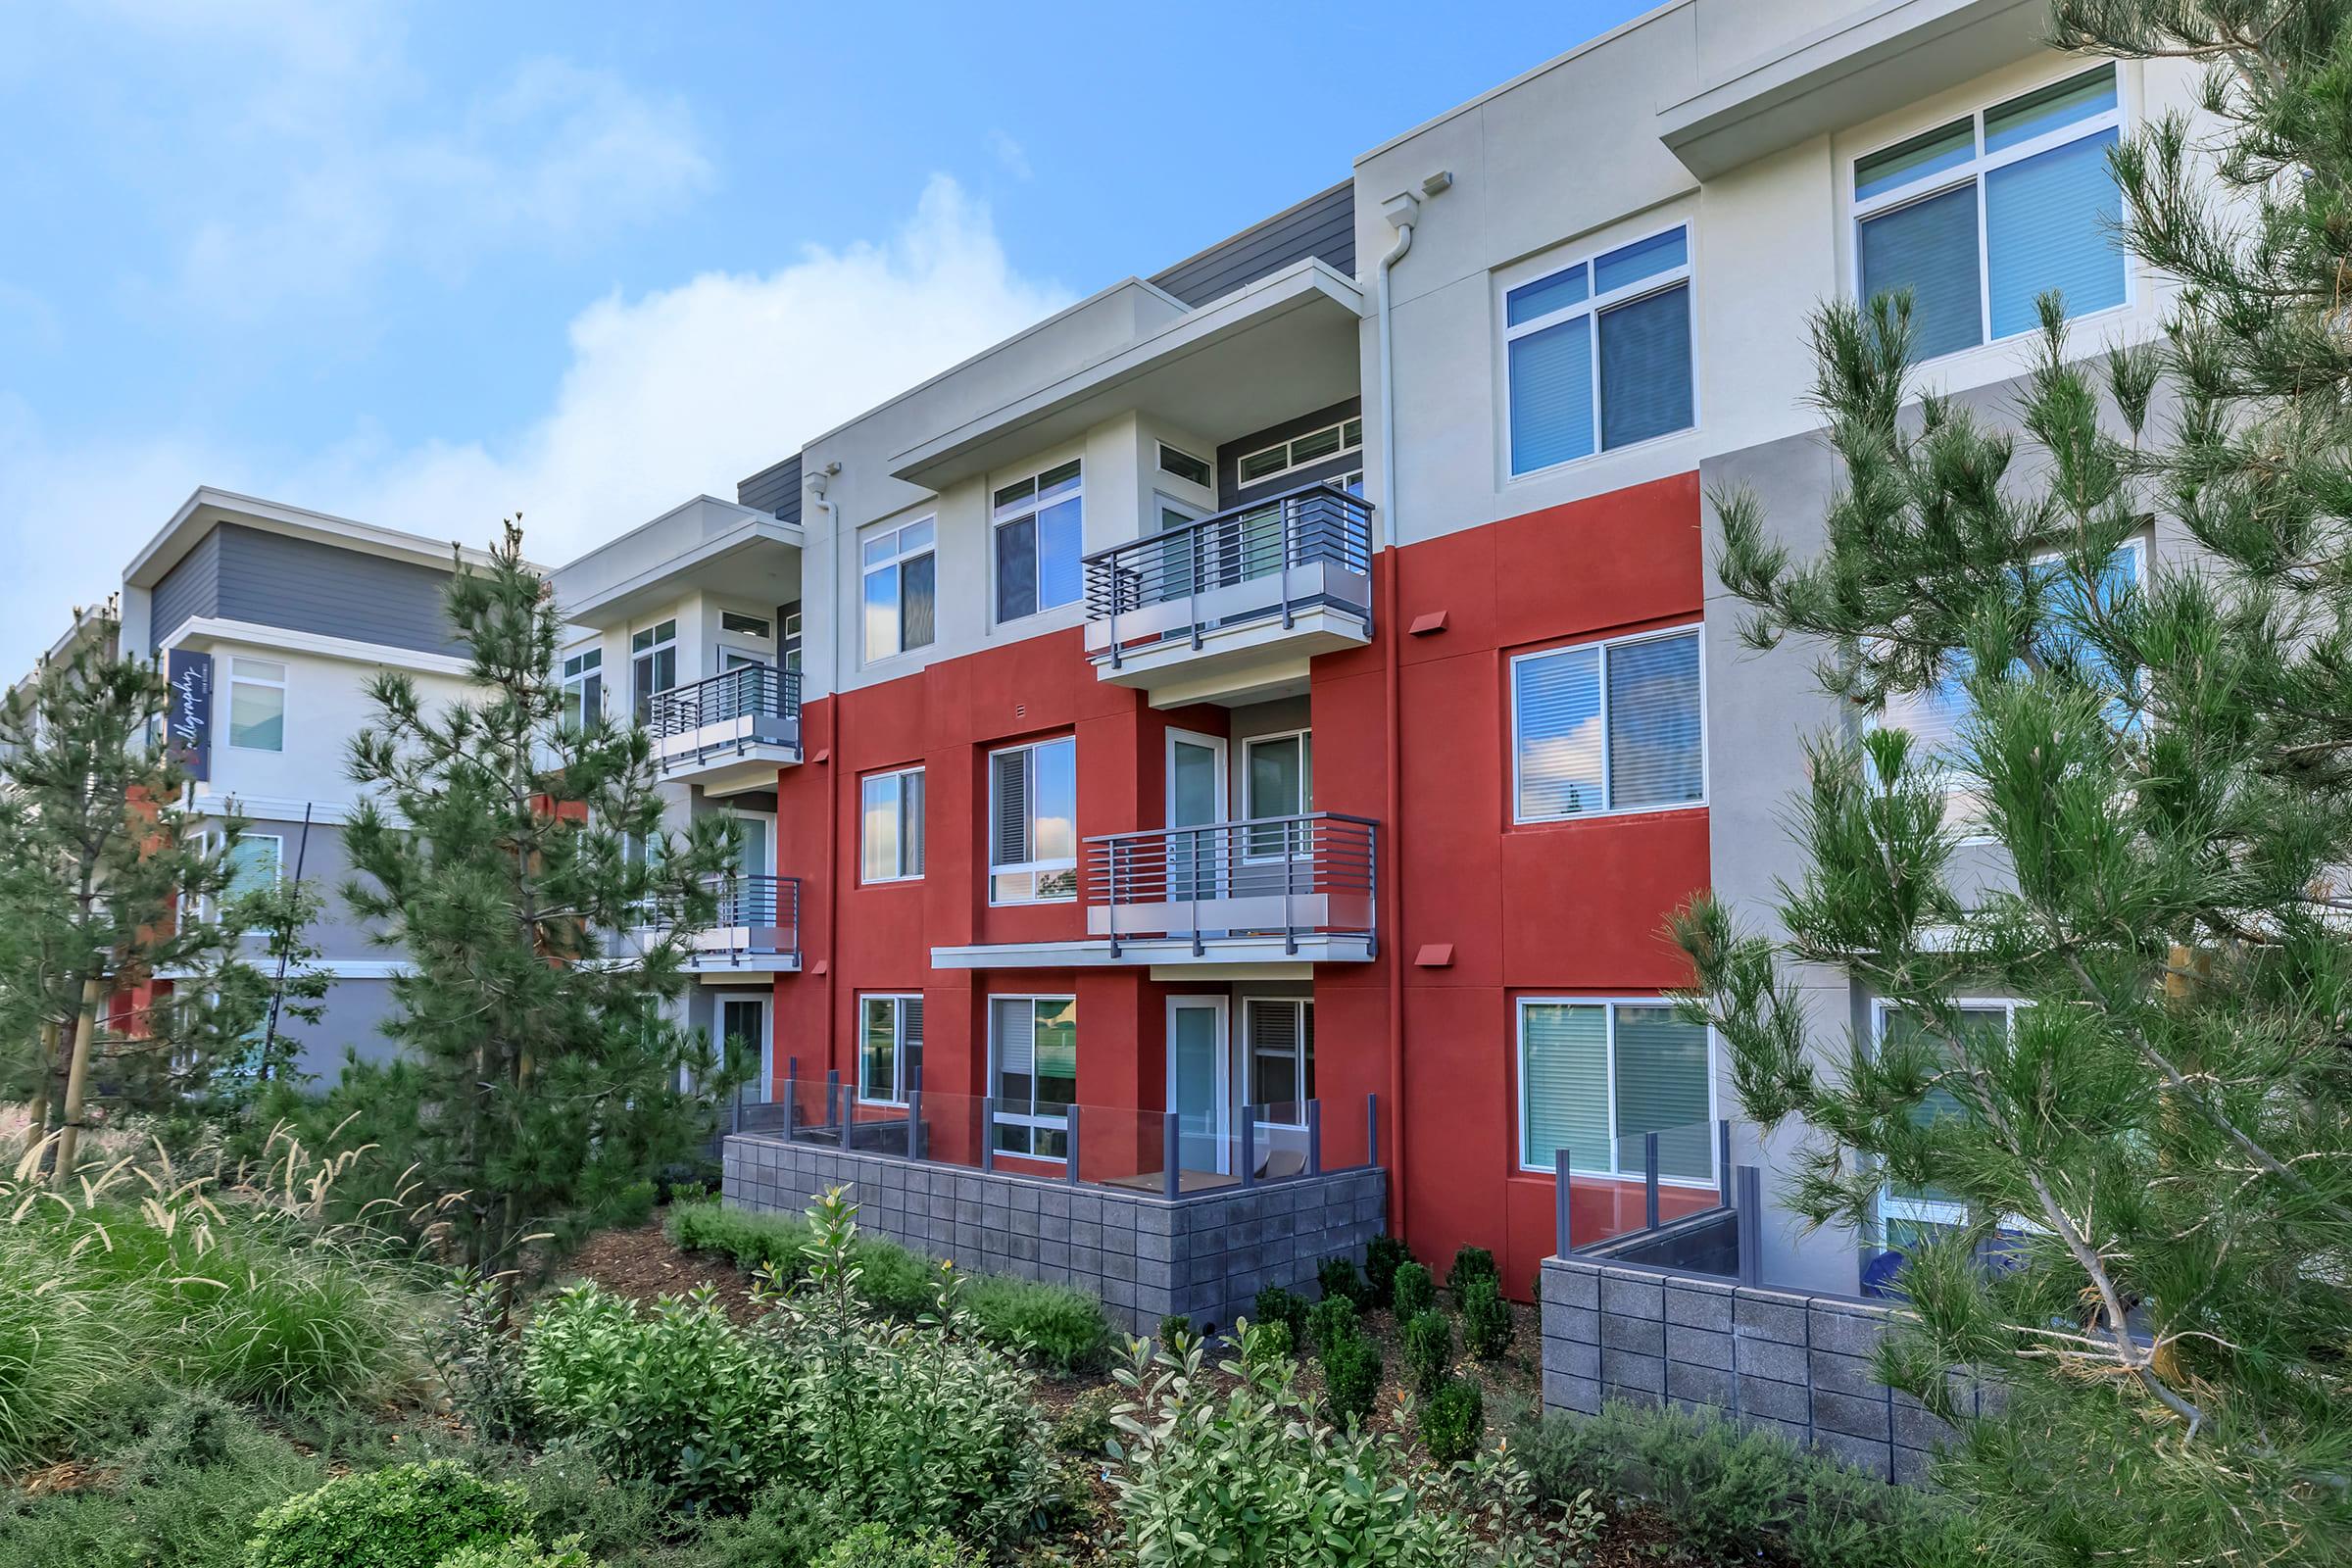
2154	1154
102	887
498	851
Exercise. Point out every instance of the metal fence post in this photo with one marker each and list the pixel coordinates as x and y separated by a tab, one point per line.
792	1096
1314	1138
915	1124
1751	1225
1249	1147
1171	1174
833	1106
987	1133
1649	1181
1723	1162
1069	1172
1371	1131
1563	1241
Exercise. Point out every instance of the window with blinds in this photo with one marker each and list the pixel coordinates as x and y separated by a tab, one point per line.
890	1047
1905	1210
1033	822
1033	1045
1569	399
1280	1038
891	813
1978	218
1605	727
1597	1077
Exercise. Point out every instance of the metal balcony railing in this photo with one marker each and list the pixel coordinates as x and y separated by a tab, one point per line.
758	916
1287	876
1306	548
748	692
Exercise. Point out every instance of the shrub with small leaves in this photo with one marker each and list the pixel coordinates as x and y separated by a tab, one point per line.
1275	1304
870	1545
1429	1350
1415	1292
1271	1339
1485	1320
1085	1427
1175	1328
1332	1321
1351	1370
1471	1263
1339	1277
1382	1259
1452	1421
520	1551
407	1516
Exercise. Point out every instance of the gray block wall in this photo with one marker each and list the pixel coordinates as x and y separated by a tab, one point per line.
1798	1364
1204	1255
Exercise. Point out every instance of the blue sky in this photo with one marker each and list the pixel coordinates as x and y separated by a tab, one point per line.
428	265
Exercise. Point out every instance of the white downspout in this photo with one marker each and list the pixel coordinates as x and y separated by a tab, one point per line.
1401	210
818	483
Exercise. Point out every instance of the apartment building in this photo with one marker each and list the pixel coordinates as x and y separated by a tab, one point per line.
271	622
1298	679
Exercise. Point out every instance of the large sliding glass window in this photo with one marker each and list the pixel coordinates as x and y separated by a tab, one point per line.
1613	726
1279	781
890	1047
1981	217
900	588
1033	823
1594	1077
1041	534
1597	355
891	805
1033	1047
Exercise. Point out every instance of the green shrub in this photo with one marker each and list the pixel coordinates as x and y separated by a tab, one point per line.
1382	1259
1338	1277
1351	1371
57	1353
1085	1427
1331	1322
787	1526
1452	1421
1271	1339
1274	1305
1470	1263
896	1282
1175	1327
408	1516
1485	1320
677	1397
1414	1292
1058	1326
518	1551
775	1241
872	1547
1428	1341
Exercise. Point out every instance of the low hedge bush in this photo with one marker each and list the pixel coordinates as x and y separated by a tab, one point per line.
1470	1263
1429	1350
1383	1257
1331	1322
1452	1421
872	1547
1351	1371
407	1516
1414	1292
1339	1277
1274	1305
1058	1325
518	1552
1485	1320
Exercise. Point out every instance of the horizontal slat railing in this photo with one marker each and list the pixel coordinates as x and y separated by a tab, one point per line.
1314	874
750	691
756	914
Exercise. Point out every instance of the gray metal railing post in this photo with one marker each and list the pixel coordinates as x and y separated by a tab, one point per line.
792	1095
1171	1174
915	1124
1249	1147
1649	1181
1723	1162
833	1106
1194	606
1069	1153
1291	510
1751	1225
987	1133
1371	1131
1314	1138
1563	1240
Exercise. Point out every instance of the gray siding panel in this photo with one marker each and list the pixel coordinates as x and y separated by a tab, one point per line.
774	489
305	585
191	589
1322	225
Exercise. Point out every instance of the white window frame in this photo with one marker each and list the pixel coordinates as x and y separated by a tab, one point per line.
999	518
1610	1004
898	777
1928	1211
760	629
1304	1054
662	635
1298	843
282	685
1510	281
1286	447
589	659
767	1039
212	843
1977	168
898	1001
1031	867
1692	628
900	554
1208	484
1024	1119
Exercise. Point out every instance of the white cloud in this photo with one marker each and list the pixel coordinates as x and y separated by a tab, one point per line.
666	395
1010	155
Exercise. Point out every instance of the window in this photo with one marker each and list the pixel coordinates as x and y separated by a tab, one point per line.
735	620
254	863
1033	1043
1033	823
1908	1214
257	704
1184	466
652	663
1040	538
1979	216
1280	1034
1608	727
1597	355
900	588
584	686
892	804
1278	779
1316	446
1596	1076
890	1047
790	651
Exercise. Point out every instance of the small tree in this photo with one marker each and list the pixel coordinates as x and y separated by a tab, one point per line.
516	860
102	885
2153	1154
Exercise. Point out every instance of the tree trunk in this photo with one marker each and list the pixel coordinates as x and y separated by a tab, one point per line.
77	1078
36	1114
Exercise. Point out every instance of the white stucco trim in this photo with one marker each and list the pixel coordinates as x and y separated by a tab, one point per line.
201	630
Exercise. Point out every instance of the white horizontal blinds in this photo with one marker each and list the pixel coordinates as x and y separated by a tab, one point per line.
878	1051
1033	822
911	824
1564	1085
2049	224
1565	402
1282	1044
1009	822
910	1042
1662	1088
1930	247
1645	367
1556	698
1551	395
1015	1022
1654	731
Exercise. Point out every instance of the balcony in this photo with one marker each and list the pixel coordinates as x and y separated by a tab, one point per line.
1231	607
756	930
1283	888
731	732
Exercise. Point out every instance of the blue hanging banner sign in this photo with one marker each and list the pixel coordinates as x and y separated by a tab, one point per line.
189	720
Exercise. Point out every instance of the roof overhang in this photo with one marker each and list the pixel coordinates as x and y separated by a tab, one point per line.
705	544
1890	55
1258	356
207	508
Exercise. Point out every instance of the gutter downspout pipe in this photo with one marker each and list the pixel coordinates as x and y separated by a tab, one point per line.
1402	211
818	483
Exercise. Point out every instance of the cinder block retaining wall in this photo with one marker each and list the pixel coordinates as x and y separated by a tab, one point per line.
1205	1257
1795	1364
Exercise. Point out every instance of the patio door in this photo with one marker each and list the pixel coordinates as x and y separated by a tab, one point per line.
743	1025
1200	1083
1196	799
